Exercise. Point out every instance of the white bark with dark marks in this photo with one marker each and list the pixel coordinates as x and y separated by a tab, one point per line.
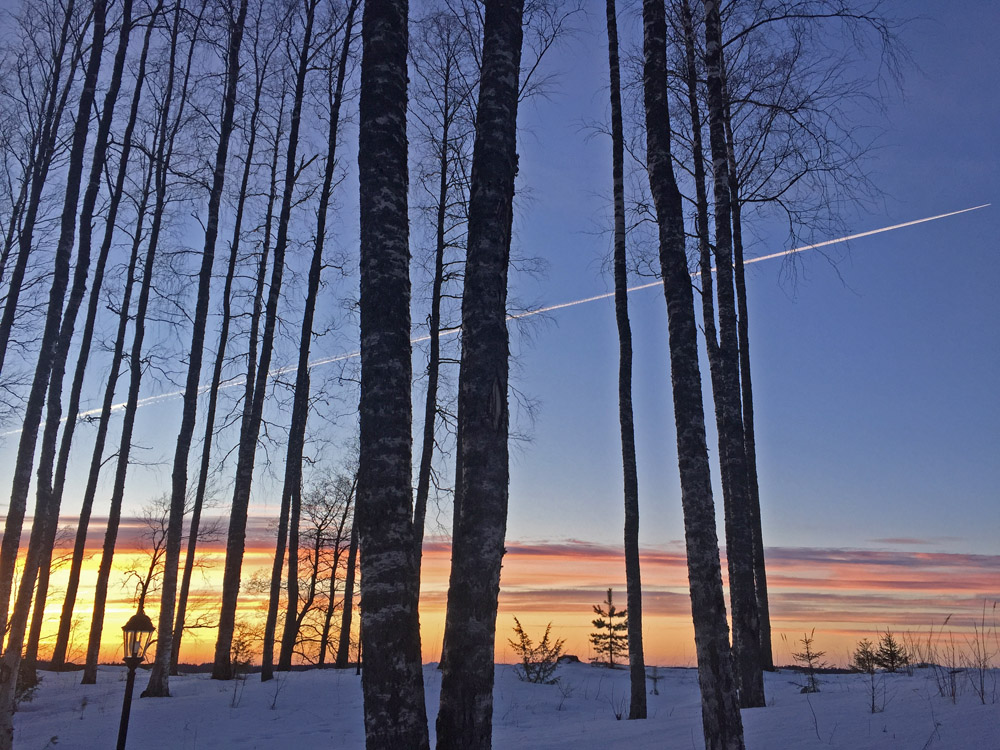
726	387
721	721
392	681
465	718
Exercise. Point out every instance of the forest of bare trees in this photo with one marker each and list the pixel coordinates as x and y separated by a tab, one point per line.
182	173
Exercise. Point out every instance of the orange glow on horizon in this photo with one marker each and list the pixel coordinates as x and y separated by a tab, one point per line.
844	594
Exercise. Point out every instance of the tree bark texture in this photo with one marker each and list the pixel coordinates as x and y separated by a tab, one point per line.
392	681
746	391
721	721
465	719
732	454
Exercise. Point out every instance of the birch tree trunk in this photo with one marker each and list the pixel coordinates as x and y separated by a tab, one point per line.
739	522
637	664
167	133
746	391
236	538
392	681
158	685
76	564
721	721
465	719
347	612
51	362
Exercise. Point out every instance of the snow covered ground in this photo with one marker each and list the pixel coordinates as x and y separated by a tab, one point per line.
322	709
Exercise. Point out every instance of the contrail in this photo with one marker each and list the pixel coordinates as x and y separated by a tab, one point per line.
758	259
233	382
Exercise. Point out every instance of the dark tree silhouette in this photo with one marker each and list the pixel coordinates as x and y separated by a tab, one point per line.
465	719
51	357
158	685
610	639
721	722
392	682
633	579
250	428
114	203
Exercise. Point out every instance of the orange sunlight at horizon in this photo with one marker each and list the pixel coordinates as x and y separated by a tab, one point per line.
844	594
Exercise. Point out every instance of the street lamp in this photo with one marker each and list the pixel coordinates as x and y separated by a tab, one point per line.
137	634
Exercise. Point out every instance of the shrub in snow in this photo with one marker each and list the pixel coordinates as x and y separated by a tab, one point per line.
810	661
538	660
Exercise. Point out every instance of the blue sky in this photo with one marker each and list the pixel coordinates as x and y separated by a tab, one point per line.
875	380
877	413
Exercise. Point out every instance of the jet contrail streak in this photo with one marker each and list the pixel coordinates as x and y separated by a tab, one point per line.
233	382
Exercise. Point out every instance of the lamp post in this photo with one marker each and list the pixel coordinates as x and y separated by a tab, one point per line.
137	634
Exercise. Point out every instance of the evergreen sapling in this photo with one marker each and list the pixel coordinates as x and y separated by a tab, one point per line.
610	640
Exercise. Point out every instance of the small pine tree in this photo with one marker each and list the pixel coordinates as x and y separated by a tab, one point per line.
538	661
891	654
865	658
810	661
610	641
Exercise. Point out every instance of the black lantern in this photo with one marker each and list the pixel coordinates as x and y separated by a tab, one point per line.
137	634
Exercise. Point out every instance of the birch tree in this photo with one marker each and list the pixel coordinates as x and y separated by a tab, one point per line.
465	718
721	722
392	681
159	676
637	665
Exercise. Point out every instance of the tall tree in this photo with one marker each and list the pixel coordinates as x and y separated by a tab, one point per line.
76	390
633	580
52	356
159	675
50	489
392	681
721	721
165	139
262	47
746	395
445	87
292	487
250	428
465	719
25	456
728	404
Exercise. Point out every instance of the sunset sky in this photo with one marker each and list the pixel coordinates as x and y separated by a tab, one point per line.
875	384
